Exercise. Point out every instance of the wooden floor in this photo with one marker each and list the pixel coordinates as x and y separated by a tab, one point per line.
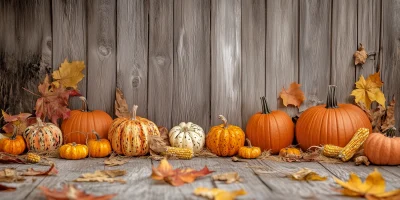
262	179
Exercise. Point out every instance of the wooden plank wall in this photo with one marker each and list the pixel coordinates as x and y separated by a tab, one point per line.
191	60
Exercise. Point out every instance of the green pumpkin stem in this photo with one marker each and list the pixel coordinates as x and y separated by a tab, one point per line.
221	117
134	110
96	134
264	105
331	99
85	107
391	132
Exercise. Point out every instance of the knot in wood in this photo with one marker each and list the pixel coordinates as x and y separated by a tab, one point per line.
104	51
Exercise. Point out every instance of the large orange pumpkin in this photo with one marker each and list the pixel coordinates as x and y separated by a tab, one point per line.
382	150
84	121
225	139
270	130
130	137
330	124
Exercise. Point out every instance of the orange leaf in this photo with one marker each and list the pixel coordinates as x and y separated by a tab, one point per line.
176	177
293	95
31	172
71	192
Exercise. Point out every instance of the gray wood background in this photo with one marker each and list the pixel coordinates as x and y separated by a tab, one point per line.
191	60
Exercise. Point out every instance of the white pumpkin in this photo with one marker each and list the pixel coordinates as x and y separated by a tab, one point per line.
187	135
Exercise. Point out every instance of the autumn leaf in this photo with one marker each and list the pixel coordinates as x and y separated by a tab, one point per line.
359	160
229	177
389	121
121	107
373	187
293	95
176	177
306	174
10	175
69	74
369	90
70	192
218	194
115	160
20	122
9	158
31	172
102	176
5	188
360	56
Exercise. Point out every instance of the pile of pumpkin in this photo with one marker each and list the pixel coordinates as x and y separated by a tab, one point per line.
342	128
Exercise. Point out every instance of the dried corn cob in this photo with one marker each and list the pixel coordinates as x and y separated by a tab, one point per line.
330	150
181	153
32	158
355	143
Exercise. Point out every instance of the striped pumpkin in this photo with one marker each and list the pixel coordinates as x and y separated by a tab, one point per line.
43	136
130	137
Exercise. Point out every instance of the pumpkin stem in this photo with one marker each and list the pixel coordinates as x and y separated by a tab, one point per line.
96	134
248	142
331	99
39	122
134	109
221	117
391	132
73	143
15	131
264	105
85	107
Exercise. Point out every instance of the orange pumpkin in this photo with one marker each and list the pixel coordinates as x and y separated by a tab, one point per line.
382	150
14	145
330	124
224	139
84	121
270	130
250	151
130	137
98	148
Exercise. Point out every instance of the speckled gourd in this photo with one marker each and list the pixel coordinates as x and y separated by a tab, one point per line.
187	135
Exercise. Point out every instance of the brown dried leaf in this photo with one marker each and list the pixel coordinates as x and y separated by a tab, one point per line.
9	158
360	56
218	194
20	122
389	120
9	175
5	188
31	172
115	160
164	134
306	174
102	176
359	160
293	95
70	192
121	107
229	177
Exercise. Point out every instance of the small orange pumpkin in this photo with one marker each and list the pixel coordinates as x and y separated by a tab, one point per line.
249	151
14	145
224	139
383	150
73	151
98	148
290	152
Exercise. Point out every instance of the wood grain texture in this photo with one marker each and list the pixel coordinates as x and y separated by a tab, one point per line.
390	66
282	51
226	61
253	57
70	38
344	44
368	30
25	52
191	96
161	71
132	48
101	54
315	47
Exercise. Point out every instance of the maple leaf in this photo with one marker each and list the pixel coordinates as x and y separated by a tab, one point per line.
10	175
176	177
70	192
306	174
373	187
229	177
369	90
360	56
5	188
20	122
102	176
293	95
31	172
115	160
121	107
218	194
69	74
9	158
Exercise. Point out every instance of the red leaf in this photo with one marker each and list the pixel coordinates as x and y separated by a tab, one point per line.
70	192
31	172
20	121
8	158
5	188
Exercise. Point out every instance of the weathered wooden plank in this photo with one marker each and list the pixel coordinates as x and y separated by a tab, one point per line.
282	50
70	38
315	47
191	96
390	52
344	44
253	57
161	63
368	33
101	54
25	52
225	61
132	48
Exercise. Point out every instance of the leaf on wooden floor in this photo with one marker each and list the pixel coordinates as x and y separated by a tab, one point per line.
218	194
389	121
359	160
20	122
373	187
369	90
121	107
360	56
9	158
236	159
70	192
115	160
31	172
69	74
176	177
306	174
293	95
229	177
5	188
10	175
103	176
205	153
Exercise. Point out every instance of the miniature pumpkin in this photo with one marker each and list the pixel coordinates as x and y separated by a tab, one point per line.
225	139
130	137
84	121
290	152
250	151
187	135
43	136
270	130
14	145
99	148
383	150
330	124
73	151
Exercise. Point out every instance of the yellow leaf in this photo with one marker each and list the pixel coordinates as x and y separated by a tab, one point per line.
218	194
369	90
306	174
69	74
293	95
